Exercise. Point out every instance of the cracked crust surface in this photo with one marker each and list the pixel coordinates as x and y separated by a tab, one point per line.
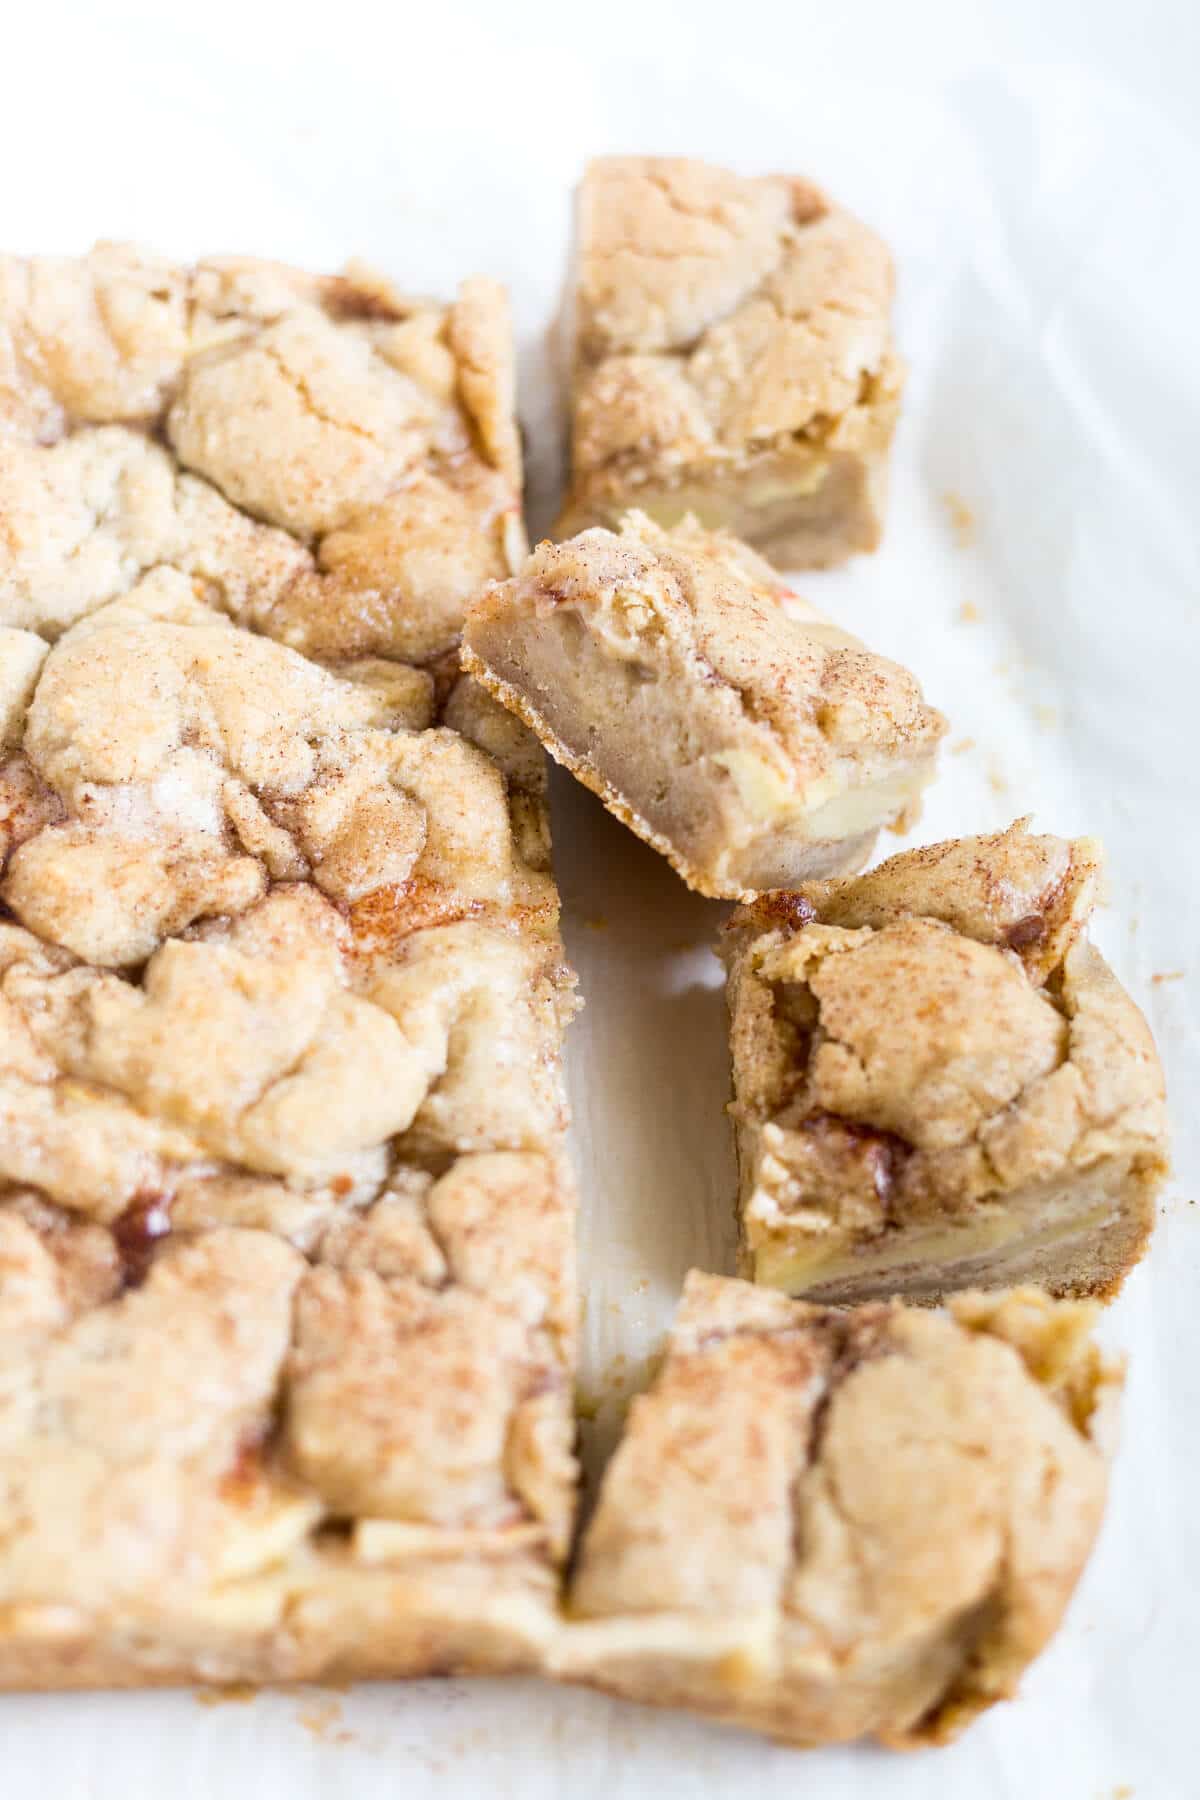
285	1238
938	1082
823	1523
315	1152
329	460
733	357
287	1310
717	714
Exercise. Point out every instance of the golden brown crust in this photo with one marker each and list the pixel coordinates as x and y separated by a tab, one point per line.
822	1523
715	712
733	356
938	1082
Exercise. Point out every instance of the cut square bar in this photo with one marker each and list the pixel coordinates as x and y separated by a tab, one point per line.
732	358
938	1082
823	1523
722	718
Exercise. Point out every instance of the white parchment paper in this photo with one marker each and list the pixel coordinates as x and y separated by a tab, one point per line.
1040	573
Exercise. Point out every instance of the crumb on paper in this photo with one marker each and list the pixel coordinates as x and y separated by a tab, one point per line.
322	1718
968	613
997	781
227	1693
1161	975
963	745
961	517
641	1284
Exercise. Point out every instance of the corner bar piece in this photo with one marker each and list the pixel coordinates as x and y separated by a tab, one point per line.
938	1082
823	1523
327	459
722	718
732	358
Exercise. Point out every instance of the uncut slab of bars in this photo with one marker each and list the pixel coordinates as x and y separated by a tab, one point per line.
286	1289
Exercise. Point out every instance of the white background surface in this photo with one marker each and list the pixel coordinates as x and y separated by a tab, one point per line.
1036	167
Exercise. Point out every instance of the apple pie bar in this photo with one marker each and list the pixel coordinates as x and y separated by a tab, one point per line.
938	1081
287	1308
825	1523
722	718
732	358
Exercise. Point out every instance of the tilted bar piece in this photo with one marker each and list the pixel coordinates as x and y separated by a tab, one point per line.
730	724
